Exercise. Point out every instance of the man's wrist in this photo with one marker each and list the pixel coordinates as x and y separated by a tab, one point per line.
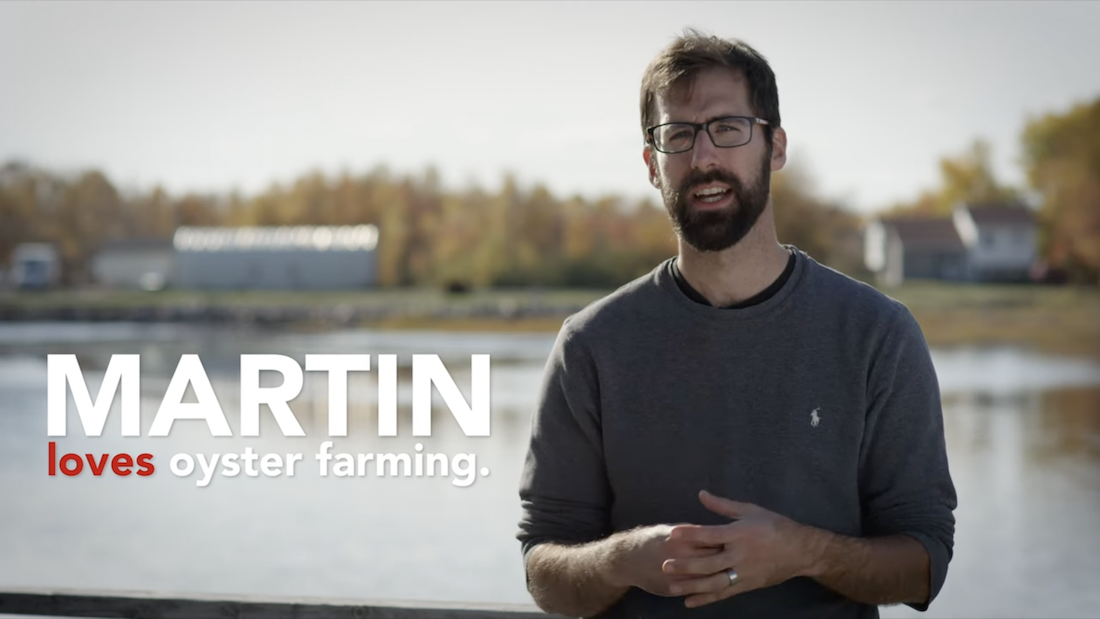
613	560
816	543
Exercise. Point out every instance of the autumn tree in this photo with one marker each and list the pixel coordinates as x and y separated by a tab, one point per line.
823	229
966	177
1062	158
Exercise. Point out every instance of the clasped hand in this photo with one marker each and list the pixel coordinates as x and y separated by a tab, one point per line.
764	548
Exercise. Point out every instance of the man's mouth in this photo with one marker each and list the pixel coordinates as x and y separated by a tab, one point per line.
711	195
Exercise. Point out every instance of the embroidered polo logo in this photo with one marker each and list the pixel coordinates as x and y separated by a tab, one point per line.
814	419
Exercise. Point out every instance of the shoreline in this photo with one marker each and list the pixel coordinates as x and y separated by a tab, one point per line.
1059	320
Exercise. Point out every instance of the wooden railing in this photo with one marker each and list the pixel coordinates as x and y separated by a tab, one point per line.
76	603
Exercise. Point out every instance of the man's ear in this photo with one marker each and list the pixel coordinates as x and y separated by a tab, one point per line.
779	149
651	165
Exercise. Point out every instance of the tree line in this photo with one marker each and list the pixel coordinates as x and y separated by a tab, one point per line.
428	236
527	236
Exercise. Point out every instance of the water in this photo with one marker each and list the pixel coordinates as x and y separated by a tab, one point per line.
1023	434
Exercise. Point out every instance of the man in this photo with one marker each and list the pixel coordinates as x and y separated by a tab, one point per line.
742	432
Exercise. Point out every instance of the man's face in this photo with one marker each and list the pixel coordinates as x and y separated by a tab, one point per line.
705	220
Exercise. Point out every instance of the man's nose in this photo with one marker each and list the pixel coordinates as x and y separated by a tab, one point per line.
704	154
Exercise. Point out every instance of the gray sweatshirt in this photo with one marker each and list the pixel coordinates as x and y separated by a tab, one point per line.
820	404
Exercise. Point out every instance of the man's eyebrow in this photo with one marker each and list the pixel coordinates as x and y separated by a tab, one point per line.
711	119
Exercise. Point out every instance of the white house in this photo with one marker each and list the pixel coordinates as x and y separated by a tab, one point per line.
36	266
986	242
1000	239
899	248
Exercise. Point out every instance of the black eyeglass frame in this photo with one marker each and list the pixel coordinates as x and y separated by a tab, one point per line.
700	127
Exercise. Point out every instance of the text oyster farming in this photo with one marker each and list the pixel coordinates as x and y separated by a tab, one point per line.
123	372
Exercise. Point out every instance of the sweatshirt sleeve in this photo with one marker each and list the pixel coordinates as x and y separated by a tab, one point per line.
564	492
905	484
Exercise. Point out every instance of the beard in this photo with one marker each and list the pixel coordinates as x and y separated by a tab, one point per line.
717	230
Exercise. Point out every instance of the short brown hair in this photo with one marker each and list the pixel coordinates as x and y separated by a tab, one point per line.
678	64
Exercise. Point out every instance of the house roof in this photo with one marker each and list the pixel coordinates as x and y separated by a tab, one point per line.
1001	214
136	245
925	233
316	238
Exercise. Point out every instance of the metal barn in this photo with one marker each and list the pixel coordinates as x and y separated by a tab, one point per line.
283	258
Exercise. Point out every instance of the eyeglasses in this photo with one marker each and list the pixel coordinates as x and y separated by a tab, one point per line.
725	132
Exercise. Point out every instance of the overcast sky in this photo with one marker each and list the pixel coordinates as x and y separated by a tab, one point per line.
214	96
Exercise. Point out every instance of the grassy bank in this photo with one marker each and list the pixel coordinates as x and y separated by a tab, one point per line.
1053	319
421	300
1062	320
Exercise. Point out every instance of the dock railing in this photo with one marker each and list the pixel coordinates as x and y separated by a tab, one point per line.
141	605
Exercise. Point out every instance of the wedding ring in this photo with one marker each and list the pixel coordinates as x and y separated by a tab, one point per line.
732	575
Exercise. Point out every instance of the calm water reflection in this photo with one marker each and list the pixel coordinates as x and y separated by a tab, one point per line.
1023	433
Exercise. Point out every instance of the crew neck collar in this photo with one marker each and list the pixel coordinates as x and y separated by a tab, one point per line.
666	281
756	299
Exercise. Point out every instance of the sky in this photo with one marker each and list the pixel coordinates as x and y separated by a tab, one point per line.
213	97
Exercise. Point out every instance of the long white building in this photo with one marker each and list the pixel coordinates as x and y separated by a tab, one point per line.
283	258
